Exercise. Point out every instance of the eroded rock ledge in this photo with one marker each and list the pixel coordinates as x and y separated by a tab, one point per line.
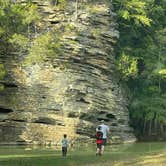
73	92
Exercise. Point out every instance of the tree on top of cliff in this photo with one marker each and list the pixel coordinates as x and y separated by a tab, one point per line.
16	20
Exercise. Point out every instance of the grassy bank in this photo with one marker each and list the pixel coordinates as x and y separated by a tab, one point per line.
121	155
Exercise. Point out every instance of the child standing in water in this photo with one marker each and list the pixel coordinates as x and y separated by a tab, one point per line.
64	145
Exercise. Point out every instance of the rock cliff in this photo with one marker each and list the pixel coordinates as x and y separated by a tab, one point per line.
72	92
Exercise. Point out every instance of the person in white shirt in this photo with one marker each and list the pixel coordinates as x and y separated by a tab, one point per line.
105	131
65	144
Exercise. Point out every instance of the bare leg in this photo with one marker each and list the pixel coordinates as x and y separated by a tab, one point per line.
102	149
97	151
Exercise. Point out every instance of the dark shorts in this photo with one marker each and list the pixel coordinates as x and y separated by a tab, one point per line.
99	146
64	151
104	141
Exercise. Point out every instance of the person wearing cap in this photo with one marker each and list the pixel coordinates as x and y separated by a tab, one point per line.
105	131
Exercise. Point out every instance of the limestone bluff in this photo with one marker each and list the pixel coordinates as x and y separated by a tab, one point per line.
72	92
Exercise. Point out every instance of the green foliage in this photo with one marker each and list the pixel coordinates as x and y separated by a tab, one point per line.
133	10
150	109
16	23
2	71
17	32
70	27
95	32
162	73
44	46
31	15
127	65
61	3
1	31
143	38
15	17
19	40
2	74
156	64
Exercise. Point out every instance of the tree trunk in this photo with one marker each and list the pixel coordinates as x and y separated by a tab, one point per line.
150	127
155	125
161	129
144	127
159	80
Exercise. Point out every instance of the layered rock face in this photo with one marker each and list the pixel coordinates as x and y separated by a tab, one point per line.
73	92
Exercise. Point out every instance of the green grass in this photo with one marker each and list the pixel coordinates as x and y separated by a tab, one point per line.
49	157
115	155
45	158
